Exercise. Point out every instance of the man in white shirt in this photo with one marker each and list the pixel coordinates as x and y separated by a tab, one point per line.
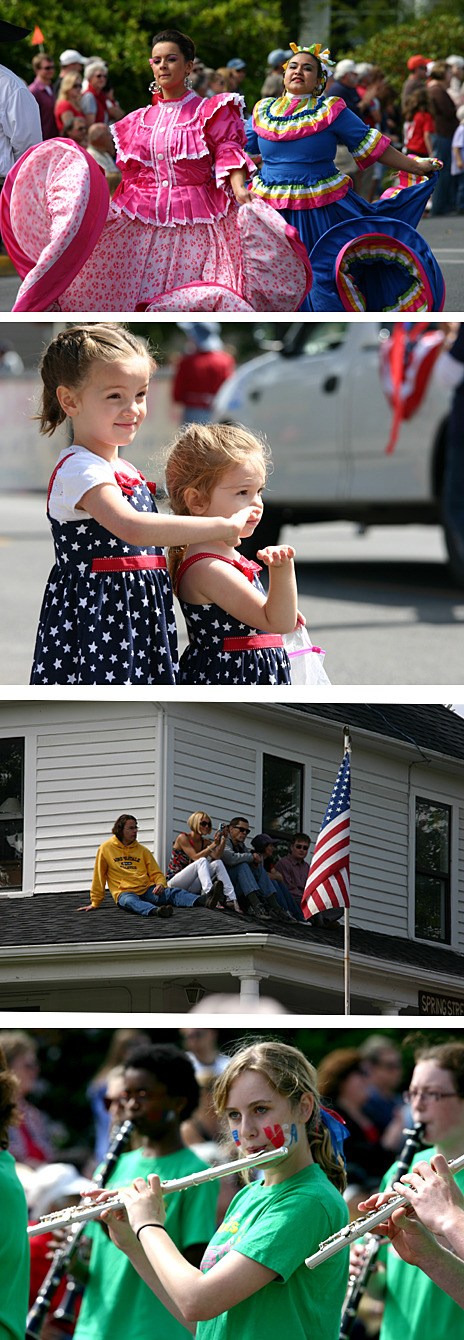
20	126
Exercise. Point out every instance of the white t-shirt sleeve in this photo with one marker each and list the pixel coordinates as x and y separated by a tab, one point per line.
81	471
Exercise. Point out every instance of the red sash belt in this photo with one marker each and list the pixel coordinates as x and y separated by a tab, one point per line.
254	640
133	563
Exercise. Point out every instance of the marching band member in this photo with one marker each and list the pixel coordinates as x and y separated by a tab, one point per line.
14	1246
268	1097
160	1091
414	1304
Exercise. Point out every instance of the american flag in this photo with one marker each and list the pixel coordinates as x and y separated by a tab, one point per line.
328	882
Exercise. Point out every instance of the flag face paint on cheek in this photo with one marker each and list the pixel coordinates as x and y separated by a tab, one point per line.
236	1137
281	1135
276	1135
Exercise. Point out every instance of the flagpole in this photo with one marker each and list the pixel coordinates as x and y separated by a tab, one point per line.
346	954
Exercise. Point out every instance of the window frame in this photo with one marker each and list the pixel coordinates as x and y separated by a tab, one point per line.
435	798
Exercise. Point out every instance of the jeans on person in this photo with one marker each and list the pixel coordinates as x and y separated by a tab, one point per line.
244	878
144	904
459	186
199	875
442	198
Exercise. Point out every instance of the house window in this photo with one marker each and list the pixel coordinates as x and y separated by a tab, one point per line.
282	797
11	813
432	870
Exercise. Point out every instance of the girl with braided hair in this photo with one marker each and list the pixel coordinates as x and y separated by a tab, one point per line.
268	1097
107	616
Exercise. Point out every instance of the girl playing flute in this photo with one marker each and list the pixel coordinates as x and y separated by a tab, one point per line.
252	1280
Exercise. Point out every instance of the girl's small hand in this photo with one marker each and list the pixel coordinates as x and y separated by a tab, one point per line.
230	529
276	556
144	1202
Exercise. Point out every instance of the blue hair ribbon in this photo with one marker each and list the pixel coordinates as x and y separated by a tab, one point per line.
337	1128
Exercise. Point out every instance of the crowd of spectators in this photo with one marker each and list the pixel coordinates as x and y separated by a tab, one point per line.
207	867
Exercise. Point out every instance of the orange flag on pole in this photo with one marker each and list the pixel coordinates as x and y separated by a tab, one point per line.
37	38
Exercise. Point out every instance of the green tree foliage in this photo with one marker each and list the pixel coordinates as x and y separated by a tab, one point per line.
434	36
121	32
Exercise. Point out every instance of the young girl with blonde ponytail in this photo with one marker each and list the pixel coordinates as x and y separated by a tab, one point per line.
253	1282
107	615
235	629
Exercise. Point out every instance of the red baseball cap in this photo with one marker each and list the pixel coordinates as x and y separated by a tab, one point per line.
415	62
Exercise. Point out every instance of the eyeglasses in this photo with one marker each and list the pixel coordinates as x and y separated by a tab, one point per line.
301	846
239	829
205	823
434	1095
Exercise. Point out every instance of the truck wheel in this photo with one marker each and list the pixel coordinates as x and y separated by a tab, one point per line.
266	533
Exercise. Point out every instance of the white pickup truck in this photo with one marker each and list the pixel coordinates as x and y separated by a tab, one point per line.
319	401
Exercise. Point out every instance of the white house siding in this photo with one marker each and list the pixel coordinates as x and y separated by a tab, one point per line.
213	768
104	763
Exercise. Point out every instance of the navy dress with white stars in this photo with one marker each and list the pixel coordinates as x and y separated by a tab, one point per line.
107	615
223	651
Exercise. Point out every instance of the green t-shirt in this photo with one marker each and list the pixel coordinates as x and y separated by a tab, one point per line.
117	1305
279	1226
415	1307
14	1252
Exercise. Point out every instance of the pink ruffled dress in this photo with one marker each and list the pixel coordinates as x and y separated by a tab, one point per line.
175	158
173	237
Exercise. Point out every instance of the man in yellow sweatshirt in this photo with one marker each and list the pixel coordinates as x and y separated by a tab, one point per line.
134	879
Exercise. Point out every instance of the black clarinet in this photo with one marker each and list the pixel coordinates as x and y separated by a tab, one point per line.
61	1258
357	1283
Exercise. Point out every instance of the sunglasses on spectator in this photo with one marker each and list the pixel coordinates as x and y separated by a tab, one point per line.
301	846
108	1102
239	829
205	823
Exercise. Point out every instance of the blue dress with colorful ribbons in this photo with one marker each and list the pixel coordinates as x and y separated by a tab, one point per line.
221	649
107	615
365	257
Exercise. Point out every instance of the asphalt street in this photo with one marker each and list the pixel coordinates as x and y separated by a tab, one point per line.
445	236
381	603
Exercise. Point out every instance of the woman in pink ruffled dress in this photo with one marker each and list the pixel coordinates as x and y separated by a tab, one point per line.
181	233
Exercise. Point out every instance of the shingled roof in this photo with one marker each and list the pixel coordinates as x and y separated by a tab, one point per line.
429	727
54	919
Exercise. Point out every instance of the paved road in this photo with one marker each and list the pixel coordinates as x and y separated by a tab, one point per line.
445	235
381	603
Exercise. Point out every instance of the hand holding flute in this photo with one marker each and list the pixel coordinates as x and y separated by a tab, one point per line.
432	1198
375	1218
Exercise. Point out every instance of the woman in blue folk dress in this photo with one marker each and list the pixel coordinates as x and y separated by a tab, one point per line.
365	257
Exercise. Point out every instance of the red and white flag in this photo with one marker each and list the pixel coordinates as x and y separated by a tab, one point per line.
328	882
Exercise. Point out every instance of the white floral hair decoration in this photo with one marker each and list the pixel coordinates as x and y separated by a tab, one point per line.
323	56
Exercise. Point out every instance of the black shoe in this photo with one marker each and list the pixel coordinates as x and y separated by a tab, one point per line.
218	890
261	913
166	910
255	908
277	912
215	895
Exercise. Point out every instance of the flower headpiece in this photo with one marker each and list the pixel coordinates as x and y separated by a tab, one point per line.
323	56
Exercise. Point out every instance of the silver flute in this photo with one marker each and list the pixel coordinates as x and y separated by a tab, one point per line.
364	1224
79	1214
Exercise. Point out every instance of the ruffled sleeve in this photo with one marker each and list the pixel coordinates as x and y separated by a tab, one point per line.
364	142
224	131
